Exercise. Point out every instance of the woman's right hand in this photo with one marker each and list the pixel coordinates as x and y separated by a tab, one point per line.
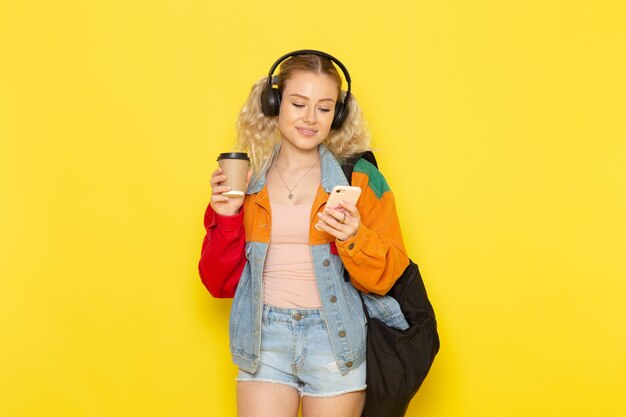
226	206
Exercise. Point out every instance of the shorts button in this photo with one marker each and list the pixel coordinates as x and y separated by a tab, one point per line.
297	316
349	364
333	299
342	333
326	262
351	246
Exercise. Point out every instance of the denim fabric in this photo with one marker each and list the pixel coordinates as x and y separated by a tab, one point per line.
341	304
296	351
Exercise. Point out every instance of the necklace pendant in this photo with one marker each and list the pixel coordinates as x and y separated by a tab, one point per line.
290	196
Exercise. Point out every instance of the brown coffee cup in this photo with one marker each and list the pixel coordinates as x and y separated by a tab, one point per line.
235	166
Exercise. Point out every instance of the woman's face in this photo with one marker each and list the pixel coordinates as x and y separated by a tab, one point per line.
307	108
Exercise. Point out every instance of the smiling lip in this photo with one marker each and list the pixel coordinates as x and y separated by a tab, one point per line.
306	132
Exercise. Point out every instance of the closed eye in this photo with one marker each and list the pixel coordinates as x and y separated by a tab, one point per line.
299	106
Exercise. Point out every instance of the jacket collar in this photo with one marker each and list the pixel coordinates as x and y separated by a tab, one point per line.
332	174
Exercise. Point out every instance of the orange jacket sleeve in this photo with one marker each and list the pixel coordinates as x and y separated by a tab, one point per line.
375	257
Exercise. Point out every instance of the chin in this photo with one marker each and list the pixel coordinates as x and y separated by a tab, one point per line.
307	146
303	143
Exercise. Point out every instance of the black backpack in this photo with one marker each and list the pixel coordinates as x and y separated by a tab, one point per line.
397	360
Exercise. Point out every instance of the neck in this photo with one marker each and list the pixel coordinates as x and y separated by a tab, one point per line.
291	157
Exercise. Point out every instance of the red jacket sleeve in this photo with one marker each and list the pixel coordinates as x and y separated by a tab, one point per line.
223	253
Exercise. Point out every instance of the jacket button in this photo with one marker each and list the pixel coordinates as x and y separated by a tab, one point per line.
349	364
333	299
326	262
342	333
351	246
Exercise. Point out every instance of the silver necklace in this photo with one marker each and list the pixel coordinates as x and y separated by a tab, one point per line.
290	196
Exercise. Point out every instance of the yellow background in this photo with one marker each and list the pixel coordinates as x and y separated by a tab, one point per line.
500	126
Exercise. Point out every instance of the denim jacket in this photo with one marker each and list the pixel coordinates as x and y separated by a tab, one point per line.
340	301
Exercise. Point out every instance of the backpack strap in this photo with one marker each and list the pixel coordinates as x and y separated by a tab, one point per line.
347	165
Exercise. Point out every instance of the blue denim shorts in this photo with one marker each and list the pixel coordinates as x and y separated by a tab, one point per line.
296	351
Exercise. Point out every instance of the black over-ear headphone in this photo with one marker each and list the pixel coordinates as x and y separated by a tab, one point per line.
270	97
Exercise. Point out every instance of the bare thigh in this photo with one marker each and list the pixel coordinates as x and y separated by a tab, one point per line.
266	399
345	405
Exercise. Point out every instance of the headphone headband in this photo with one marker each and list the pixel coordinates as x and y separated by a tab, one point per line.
270	96
280	60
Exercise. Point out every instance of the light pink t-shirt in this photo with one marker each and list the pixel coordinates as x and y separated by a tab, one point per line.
288	278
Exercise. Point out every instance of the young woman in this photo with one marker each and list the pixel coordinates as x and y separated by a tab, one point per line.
297	327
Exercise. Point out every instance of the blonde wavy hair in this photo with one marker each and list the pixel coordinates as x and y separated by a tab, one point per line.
258	134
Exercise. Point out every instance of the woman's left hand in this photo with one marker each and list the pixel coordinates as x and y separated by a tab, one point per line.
342	222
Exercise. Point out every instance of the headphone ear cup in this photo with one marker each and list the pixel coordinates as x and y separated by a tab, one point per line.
341	113
270	101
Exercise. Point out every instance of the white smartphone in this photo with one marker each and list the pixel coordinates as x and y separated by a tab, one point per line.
346	193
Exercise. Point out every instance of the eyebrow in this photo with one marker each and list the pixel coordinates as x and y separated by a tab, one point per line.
306	98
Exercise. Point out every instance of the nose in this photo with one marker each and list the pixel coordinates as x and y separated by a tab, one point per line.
309	115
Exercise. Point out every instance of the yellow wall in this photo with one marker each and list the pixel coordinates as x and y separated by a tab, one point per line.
500	126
